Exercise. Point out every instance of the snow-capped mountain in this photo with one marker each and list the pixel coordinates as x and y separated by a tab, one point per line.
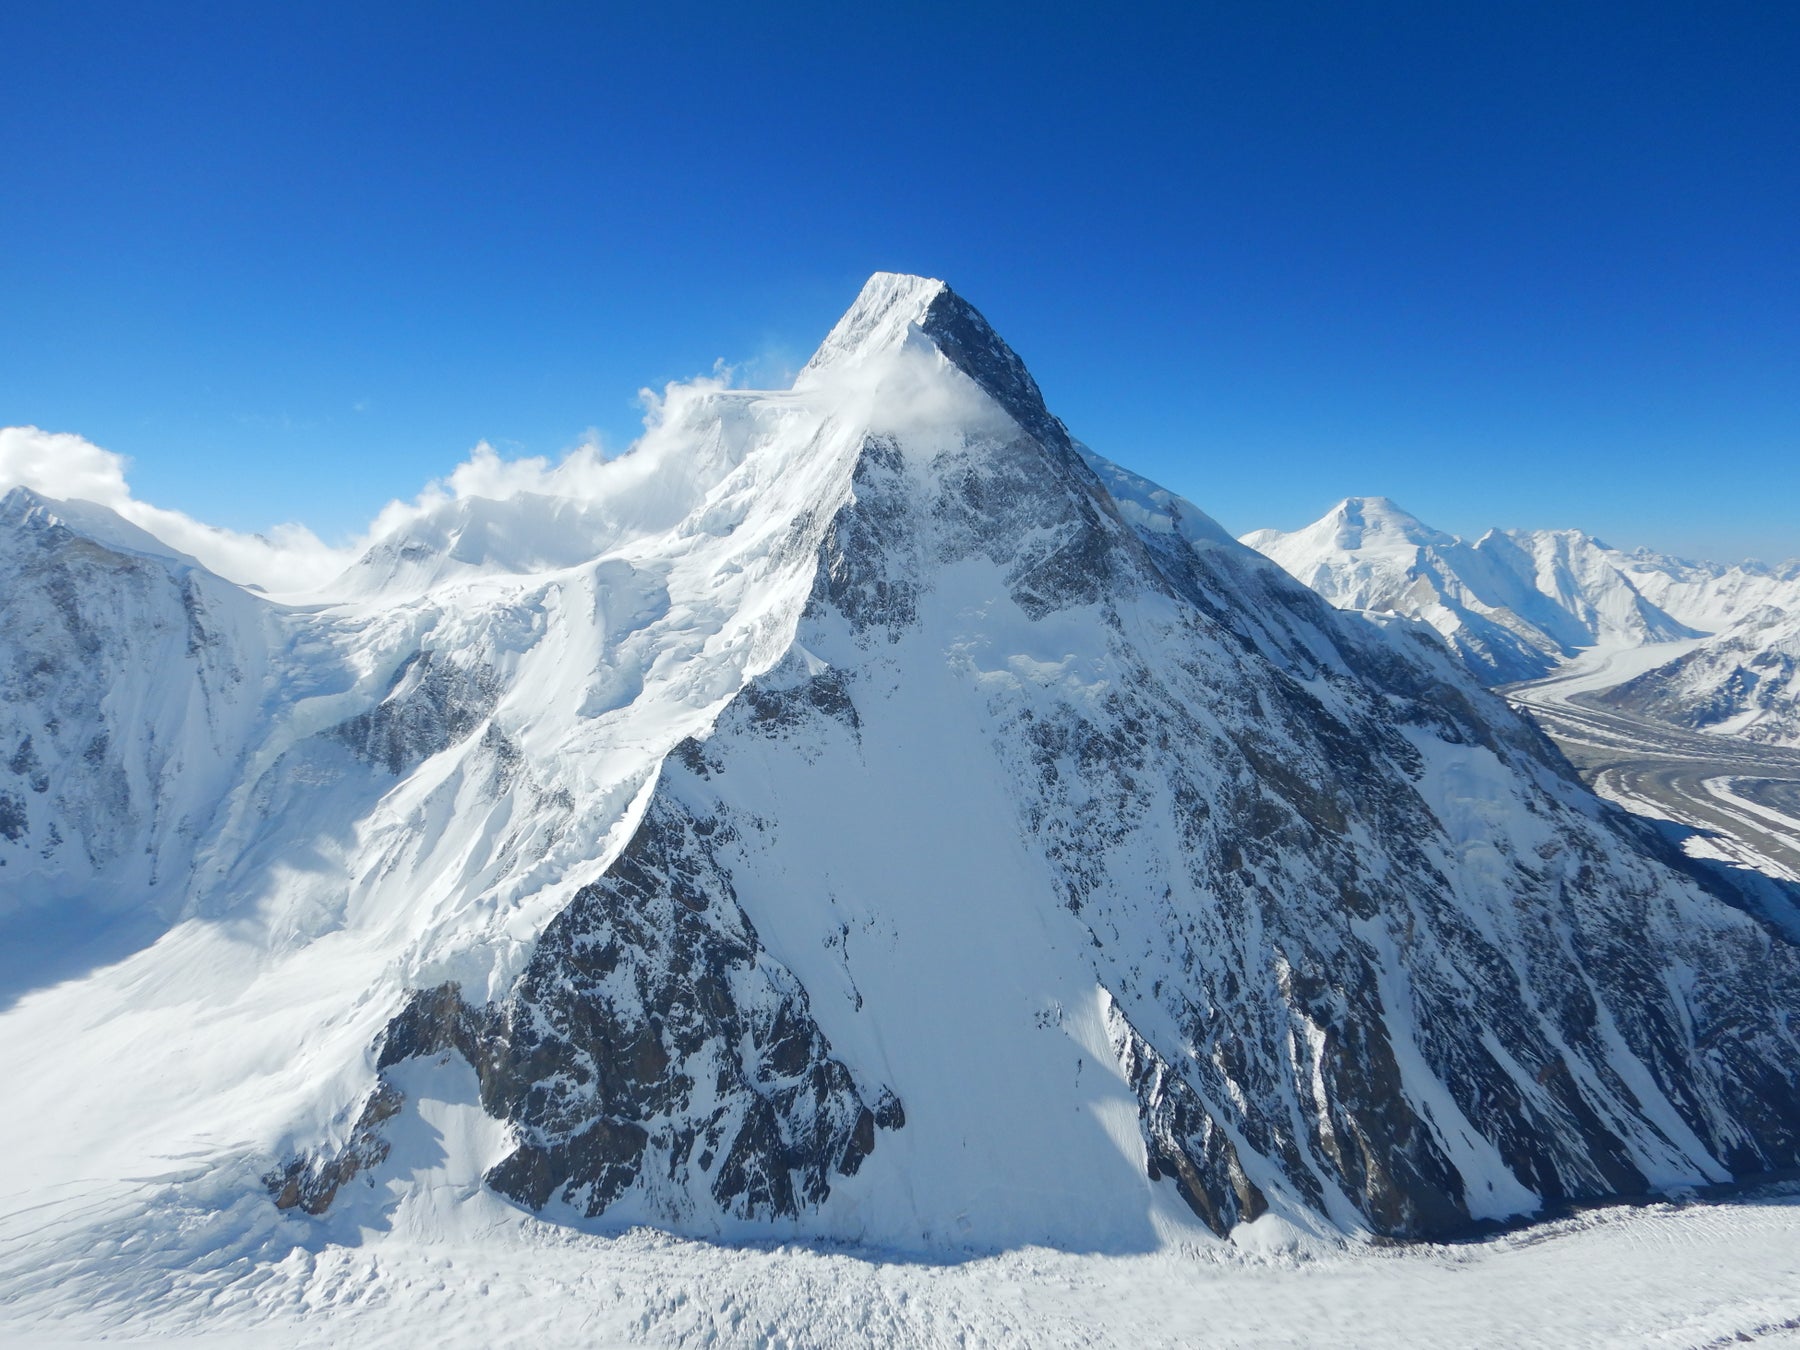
1744	682
1516	603
1710	597
861	812
1511	604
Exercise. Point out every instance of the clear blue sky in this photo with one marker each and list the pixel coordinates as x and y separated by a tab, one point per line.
1522	264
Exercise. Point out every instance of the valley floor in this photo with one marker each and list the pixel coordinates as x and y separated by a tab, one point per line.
1741	799
1696	1274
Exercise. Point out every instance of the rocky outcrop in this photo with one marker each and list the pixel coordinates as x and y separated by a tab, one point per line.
312	1182
432	704
653	1043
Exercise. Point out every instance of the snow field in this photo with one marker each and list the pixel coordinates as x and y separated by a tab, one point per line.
1689	1275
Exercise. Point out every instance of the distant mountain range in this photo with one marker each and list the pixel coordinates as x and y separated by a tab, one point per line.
1517	604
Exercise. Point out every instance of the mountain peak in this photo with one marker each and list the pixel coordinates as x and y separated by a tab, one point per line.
889	308
895	309
1378	513
23	506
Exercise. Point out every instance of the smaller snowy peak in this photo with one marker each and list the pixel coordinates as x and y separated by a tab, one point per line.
1516	603
1712	596
1357	553
1354	525
1513	604
1583	577
1649	559
25	511
1361	520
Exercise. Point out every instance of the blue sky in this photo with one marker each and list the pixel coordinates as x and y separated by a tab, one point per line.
1508	263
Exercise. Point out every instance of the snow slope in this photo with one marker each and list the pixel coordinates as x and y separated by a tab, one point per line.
1706	596
1661	1275
860	813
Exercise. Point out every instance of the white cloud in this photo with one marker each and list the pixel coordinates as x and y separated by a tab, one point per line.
290	557
576	505
64	466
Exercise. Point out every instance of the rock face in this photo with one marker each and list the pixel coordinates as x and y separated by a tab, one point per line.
652	1042
1345	933
107	781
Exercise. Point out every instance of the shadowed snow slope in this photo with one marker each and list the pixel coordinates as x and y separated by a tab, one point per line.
859	812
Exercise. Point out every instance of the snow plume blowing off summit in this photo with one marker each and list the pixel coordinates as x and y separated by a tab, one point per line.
858	812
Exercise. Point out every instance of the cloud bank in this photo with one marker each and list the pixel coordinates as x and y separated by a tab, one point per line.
291	559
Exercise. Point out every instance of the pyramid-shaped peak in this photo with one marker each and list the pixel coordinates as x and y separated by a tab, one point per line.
1374	511
895	310
1356	519
889	308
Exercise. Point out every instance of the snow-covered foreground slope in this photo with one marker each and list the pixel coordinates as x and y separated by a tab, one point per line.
1661	1275
859	814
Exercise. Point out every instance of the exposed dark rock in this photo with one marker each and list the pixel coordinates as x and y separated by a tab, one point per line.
312	1183
432	704
652	1038
1184	1141
14	819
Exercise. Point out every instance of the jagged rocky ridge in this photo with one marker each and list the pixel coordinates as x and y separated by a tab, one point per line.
1363	948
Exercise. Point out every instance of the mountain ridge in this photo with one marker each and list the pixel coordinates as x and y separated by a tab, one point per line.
1516	605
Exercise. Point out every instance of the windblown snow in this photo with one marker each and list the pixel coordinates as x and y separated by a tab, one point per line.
859	814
